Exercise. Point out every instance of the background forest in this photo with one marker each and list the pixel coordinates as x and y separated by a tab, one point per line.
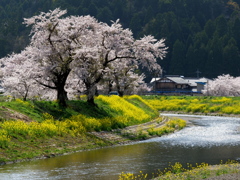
201	34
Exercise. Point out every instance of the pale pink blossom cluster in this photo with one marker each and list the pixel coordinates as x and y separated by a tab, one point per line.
224	85
75	54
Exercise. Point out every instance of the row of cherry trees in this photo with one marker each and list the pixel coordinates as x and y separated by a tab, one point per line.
70	54
224	85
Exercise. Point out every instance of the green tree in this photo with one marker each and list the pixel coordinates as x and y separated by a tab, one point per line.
105	15
231	58
194	26
190	62
136	23
178	60
93	10
209	28
236	30
213	66
221	26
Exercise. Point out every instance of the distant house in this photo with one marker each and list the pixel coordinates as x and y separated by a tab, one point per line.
178	84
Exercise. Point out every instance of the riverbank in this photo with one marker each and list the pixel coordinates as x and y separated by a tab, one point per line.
79	127
40	129
59	146
142	131
216	172
228	171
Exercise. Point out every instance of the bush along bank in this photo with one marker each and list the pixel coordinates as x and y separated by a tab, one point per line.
42	129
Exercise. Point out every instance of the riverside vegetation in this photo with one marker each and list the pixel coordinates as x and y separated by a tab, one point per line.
197	172
206	105
41	129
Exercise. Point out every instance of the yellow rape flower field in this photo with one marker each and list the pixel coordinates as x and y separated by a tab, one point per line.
41	129
206	105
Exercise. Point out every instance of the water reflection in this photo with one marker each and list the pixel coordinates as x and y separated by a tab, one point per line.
208	139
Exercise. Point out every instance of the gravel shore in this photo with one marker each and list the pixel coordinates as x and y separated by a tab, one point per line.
235	176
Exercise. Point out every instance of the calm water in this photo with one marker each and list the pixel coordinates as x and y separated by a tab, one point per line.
208	139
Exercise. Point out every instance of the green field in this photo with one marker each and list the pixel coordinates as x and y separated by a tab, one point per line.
196	104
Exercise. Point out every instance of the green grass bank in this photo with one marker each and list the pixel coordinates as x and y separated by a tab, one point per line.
41	129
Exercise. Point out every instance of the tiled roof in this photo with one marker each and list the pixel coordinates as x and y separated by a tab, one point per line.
178	80
184	80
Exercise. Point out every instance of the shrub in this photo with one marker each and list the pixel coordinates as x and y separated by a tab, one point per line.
15	128
89	123
196	108
215	108
4	139
222	100
176	123
227	110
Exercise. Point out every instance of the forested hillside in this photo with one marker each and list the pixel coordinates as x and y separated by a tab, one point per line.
201	34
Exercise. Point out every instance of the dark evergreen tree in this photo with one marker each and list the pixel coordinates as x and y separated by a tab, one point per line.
213	66
209	28
93	10
178	63
105	15
221	26
231	58
236	30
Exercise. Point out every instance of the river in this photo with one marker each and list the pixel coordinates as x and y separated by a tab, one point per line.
206	139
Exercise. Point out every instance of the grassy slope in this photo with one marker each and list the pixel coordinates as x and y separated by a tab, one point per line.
28	147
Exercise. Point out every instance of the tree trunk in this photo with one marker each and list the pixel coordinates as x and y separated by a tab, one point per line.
60	84
91	92
121	93
110	86
62	96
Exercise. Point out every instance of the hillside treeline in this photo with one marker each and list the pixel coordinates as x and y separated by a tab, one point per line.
201	35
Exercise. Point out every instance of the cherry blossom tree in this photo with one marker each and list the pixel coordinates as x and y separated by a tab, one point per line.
114	44
18	79
53	46
123	78
129	82
56	40
74	87
224	85
80	50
